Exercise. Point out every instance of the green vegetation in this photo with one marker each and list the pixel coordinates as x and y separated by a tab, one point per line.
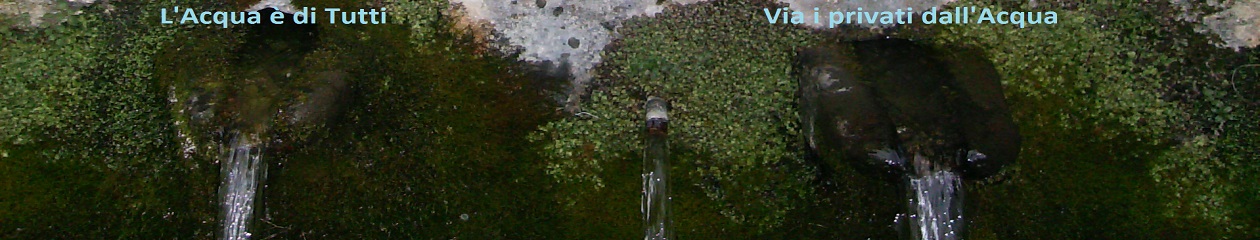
1097	76
85	133
423	17
429	146
1116	131
1135	127
1113	147
731	106
425	140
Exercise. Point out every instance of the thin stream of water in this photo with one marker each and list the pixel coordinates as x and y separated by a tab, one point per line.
935	206
242	171
656	199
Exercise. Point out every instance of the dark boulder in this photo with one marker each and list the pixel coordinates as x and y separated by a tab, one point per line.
879	104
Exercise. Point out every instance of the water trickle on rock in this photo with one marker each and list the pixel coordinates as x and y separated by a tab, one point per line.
923	116
242	171
935	206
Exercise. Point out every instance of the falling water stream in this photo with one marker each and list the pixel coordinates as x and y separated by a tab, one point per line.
242	171
934	206
655	206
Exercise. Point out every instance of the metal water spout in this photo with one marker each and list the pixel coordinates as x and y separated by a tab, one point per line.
656	199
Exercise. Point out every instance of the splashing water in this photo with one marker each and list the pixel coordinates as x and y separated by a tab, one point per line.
655	205
935	205
242	170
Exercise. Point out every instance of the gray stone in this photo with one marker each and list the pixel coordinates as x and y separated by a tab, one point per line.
39	12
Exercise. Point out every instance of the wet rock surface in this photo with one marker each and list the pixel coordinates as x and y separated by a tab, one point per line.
875	103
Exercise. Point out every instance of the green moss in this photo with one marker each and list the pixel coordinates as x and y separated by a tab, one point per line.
429	134
89	134
1103	126
1194	179
89	148
423	17
42	73
1097	76
726	76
